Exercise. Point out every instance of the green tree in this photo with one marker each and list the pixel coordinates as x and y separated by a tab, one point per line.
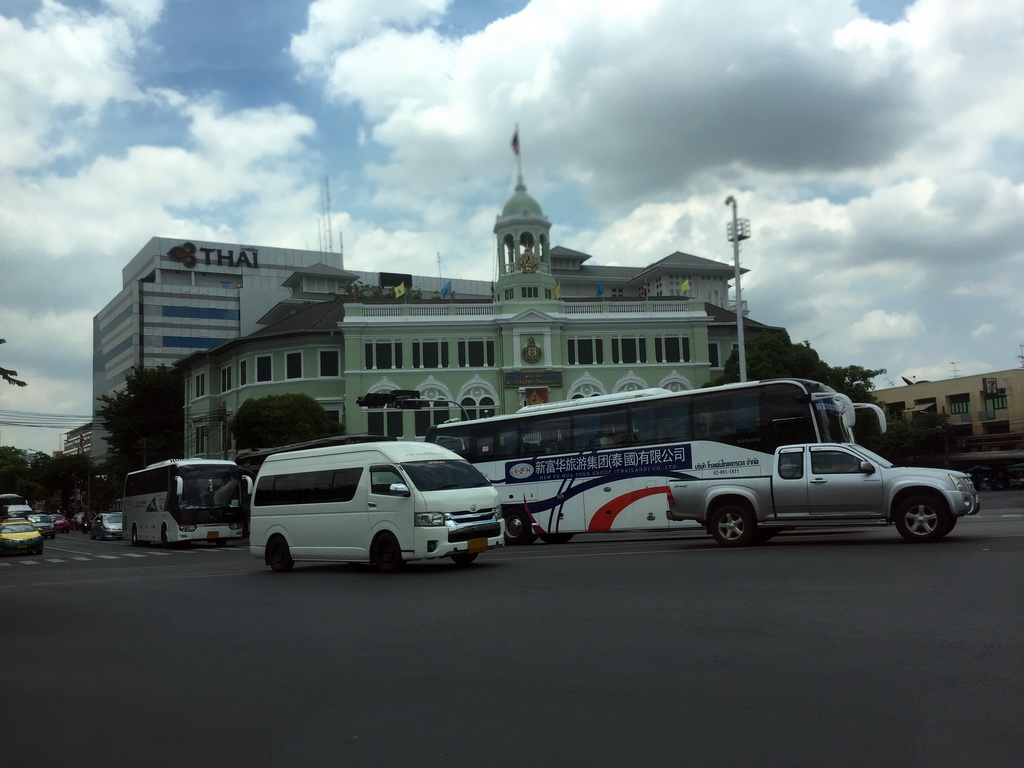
9	376
14	472
267	422
145	420
58	477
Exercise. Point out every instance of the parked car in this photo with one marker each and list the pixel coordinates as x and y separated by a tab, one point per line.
108	525
60	523
20	536
44	524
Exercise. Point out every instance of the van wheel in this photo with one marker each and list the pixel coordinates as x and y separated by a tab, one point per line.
279	557
462	559
733	525
556	538
922	518
387	554
518	528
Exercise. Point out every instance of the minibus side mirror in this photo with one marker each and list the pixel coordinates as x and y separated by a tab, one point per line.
399	489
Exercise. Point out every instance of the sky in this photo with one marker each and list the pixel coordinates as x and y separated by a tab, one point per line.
876	146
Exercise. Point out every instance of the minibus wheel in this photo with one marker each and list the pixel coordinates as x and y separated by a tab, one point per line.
279	557
463	559
387	554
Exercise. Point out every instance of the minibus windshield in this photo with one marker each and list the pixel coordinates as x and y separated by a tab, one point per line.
444	474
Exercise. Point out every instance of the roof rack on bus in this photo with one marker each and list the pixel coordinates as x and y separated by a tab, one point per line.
596	400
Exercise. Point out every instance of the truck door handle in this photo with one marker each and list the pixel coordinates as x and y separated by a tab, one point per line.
818	481
372	504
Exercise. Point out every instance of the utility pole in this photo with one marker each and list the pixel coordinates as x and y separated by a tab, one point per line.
738	229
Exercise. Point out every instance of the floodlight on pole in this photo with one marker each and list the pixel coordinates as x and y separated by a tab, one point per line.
736	230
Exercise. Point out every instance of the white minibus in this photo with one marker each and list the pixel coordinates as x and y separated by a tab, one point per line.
383	503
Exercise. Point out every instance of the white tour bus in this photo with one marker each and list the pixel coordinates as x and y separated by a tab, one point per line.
382	503
184	500
604	463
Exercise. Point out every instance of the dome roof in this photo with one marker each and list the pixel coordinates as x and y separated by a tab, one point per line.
521	203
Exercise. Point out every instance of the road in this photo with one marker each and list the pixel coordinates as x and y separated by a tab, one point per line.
850	649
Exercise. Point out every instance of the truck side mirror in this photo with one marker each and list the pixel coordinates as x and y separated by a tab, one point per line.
867	468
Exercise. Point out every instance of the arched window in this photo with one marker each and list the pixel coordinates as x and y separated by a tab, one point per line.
478	409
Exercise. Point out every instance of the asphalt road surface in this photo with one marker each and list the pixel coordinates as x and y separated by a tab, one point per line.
840	649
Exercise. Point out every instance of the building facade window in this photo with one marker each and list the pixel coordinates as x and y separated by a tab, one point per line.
384	422
959	403
529	292
629	350
330	365
713	355
225	379
293	365
437	413
199	386
476	354
243	373
430	354
583	351
672	349
264	368
478	409
201	439
383	354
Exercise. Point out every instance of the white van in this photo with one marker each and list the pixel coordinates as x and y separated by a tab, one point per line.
383	503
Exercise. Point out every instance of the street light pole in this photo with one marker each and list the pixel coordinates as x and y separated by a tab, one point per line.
738	229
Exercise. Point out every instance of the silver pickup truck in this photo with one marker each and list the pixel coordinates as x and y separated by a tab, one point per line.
825	485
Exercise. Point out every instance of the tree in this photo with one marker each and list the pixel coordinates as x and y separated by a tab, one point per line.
14	471
144	421
267	422
8	375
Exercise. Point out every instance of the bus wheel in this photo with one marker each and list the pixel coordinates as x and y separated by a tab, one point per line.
462	559
922	518
518	528
733	525
279	557
163	534
387	554
556	538
135	536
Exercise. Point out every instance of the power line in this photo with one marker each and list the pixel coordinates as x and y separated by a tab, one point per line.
42	420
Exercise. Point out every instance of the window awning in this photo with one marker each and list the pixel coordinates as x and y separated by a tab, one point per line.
921	408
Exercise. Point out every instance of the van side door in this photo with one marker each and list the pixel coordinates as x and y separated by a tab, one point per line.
392	509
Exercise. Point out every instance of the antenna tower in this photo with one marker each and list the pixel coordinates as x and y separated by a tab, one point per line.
325	204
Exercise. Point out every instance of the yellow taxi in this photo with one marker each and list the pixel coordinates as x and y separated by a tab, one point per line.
20	536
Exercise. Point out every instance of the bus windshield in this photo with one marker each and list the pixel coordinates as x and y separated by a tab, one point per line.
205	487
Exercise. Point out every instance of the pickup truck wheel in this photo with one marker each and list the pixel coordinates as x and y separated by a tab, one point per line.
518	528
733	525
922	518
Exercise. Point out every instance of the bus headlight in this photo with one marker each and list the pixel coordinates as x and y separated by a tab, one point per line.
429	519
186	528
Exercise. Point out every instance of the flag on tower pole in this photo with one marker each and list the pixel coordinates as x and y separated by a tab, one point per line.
447	290
515	141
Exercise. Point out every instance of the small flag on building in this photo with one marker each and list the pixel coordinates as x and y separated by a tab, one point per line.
446	292
400	290
600	290
558	290
685	286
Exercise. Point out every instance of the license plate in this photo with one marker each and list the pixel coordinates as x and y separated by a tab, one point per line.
212	534
23	546
476	545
